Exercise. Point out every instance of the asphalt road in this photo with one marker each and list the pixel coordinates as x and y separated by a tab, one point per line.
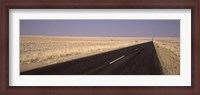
139	59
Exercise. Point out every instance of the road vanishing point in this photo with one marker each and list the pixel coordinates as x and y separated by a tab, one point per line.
139	59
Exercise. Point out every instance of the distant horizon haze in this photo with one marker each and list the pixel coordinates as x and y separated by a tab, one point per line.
98	36
101	28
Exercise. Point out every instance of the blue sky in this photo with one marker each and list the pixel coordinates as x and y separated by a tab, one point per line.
101	28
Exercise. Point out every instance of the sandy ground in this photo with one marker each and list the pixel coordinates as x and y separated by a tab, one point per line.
39	51
135	60
168	51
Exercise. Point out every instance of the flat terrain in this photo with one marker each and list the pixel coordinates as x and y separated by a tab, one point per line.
40	55
168	51
40	51
139	59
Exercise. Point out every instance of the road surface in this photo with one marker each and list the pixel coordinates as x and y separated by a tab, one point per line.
139	59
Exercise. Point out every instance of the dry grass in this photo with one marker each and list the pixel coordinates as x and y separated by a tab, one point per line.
168	51
38	51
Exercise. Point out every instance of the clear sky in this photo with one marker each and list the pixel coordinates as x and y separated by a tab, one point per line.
102	28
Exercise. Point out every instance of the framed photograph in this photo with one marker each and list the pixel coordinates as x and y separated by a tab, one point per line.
100	47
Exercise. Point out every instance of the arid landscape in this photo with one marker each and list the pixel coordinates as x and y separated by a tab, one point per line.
168	51
39	51
100	47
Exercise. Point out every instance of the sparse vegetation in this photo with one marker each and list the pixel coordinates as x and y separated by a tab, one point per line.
39	51
168	51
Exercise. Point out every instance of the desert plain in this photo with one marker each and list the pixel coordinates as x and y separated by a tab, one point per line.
41	51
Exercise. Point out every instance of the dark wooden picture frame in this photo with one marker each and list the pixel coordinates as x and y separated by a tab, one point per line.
105	4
